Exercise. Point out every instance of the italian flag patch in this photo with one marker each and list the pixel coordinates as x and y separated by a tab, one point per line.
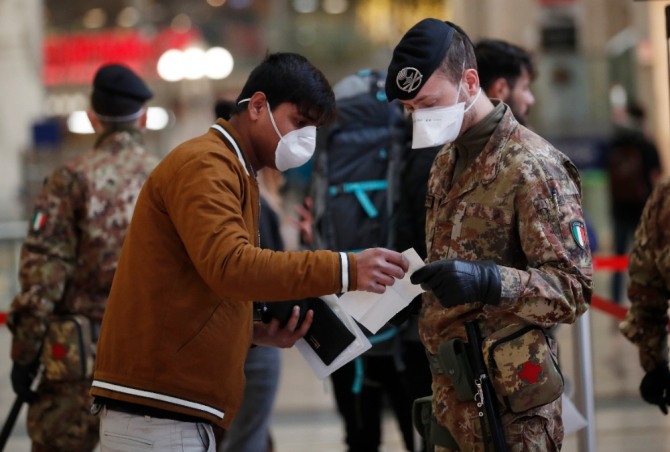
39	220
578	233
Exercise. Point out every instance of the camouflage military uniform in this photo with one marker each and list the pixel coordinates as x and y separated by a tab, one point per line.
518	204
649	267
68	261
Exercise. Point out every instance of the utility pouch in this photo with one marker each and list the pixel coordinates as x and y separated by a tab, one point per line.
425	423
453	358
522	367
68	350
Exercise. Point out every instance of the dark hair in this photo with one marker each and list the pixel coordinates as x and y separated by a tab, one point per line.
459	56
224	108
496	58
289	77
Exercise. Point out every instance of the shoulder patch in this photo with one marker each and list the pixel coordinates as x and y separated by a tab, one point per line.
39	220
578	230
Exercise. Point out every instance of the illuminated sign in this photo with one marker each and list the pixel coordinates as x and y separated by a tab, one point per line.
72	59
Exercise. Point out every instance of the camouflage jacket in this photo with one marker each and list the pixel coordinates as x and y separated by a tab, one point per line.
518	204
74	240
649	268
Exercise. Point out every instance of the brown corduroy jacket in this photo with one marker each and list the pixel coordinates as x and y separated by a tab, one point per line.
178	322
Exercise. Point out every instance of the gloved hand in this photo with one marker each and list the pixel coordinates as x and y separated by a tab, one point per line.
456	281
22	378
655	388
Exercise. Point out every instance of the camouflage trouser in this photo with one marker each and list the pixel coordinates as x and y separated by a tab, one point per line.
538	429
61	419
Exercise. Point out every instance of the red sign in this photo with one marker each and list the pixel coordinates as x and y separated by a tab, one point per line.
73	58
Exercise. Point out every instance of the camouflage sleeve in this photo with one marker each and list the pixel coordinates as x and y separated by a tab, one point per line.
556	285
649	268
47	261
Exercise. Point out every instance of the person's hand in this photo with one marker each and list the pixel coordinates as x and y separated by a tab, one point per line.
305	221
457	282
272	334
378	268
655	388
22	379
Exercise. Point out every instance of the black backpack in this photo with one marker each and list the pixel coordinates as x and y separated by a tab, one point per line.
357	167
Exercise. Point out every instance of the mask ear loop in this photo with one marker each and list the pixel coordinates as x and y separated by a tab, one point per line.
273	120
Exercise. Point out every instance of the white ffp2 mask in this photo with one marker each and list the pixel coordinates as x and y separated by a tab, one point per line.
295	148
437	126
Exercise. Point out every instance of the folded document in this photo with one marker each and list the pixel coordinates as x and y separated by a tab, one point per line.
373	310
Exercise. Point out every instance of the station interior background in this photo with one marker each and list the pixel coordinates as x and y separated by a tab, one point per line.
591	56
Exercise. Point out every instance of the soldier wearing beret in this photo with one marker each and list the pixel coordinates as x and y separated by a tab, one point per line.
505	234
69	258
646	324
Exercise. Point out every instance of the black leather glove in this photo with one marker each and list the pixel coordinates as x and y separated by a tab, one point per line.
655	388
22	378
456	281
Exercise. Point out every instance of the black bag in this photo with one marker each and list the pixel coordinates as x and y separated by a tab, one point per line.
356	175
357	167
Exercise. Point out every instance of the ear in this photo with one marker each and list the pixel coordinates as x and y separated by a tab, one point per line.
499	89
471	81
142	120
95	122
257	103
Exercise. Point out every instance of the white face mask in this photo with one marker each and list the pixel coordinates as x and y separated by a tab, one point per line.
437	126
295	148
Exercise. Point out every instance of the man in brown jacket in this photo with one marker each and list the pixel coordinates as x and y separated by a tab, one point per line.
180	312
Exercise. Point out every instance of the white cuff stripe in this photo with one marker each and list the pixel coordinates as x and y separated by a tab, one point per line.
345	271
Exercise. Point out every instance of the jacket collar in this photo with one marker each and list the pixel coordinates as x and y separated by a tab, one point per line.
230	137
486	166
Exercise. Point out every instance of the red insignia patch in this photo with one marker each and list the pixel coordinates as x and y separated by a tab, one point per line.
530	372
58	351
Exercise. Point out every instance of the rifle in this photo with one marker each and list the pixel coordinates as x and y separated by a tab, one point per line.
10	422
485	396
16	409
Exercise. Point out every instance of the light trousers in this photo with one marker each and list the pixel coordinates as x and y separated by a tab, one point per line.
124	432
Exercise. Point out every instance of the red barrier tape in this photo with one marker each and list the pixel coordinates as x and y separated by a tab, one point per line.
608	307
606	263
611	263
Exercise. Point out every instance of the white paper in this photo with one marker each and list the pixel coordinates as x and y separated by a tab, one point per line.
373	310
360	345
573	420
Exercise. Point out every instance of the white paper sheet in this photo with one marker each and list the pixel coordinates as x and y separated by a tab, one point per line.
374	310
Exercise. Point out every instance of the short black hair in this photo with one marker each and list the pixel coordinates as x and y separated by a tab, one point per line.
290	77
224	108
497	58
460	56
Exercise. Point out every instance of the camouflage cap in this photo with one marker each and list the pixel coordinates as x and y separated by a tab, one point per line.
118	93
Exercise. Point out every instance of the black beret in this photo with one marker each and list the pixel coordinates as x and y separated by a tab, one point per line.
416	57
118	93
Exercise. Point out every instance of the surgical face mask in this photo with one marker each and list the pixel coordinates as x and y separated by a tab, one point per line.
437	126
295	148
